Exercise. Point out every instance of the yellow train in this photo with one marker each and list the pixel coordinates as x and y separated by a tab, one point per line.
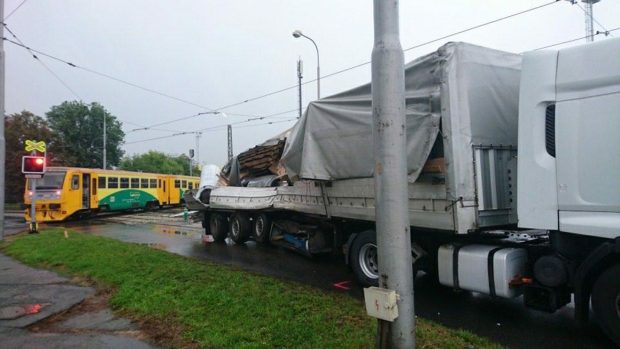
65	192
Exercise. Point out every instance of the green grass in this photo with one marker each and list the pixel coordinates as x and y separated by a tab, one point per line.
12	206
216	306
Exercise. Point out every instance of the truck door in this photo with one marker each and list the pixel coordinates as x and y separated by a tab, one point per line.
587	125
86	190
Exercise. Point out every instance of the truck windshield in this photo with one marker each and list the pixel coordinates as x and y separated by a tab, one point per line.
51	180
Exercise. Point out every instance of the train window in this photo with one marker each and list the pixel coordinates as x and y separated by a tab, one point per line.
94	186
112	182
135	182
184	184
159	186
144	182
196	185
153	182
124	182
191	185
102	182
75	182
177	183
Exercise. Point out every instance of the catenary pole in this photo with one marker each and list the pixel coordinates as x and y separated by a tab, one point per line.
230	143
105	141
300	69
2	139
390	170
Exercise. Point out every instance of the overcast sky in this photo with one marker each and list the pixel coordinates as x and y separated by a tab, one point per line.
215	53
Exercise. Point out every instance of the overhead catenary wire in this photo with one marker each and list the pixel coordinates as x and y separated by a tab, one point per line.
14	10
141	127
338	72
248	100
42	63
215	128
107	76
52	72
575	39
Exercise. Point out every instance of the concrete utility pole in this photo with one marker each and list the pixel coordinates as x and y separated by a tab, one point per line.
300	71
230	144
390	171
2	139
105	141
198	135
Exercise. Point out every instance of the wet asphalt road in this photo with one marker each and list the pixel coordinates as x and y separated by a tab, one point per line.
504	321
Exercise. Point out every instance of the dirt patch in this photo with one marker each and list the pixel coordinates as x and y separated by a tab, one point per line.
92	304
166	332
163	332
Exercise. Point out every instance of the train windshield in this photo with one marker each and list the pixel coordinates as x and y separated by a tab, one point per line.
51	180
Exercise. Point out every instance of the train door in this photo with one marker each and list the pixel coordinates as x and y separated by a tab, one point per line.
162	194
166	189
94	199
86	190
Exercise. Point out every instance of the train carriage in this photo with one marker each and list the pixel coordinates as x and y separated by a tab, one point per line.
65	192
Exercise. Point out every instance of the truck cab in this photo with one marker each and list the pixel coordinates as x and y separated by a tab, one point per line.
569	177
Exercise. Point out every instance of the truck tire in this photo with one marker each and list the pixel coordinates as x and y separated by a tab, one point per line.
262	228
218	227
240	228
363	258
606	302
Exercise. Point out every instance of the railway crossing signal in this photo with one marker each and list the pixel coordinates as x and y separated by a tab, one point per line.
33	165
35	146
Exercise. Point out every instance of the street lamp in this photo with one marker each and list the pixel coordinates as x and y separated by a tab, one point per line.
297	34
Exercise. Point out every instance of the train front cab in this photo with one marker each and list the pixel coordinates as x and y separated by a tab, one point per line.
61	193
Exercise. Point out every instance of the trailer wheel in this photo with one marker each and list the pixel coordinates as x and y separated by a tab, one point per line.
240	228
218	227
606	302
363	258
262	228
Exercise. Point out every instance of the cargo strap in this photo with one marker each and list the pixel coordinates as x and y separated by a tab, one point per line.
491	270
455	266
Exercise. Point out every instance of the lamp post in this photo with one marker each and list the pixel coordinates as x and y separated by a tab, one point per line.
297	34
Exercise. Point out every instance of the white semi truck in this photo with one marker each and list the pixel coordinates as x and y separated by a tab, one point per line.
514	178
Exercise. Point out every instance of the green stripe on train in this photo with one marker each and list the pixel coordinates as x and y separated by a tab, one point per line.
126	199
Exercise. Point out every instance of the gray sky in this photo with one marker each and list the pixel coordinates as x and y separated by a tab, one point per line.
215	53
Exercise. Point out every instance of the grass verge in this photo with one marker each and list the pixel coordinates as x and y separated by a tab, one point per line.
215	306
12	206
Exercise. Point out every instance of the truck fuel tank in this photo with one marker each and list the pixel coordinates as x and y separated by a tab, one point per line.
481	268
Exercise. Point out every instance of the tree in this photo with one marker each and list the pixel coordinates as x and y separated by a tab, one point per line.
158	162
78	134
18	128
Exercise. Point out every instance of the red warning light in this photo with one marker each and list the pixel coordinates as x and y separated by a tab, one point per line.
33	164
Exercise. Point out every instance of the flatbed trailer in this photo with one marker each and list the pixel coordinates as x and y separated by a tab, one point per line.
514	170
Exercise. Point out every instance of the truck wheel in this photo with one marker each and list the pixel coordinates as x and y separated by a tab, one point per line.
218	227
262	228
240	228
606	302
363	258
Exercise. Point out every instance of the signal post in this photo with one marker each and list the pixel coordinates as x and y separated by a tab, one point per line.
33	167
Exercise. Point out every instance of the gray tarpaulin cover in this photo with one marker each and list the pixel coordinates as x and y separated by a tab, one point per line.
463	86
